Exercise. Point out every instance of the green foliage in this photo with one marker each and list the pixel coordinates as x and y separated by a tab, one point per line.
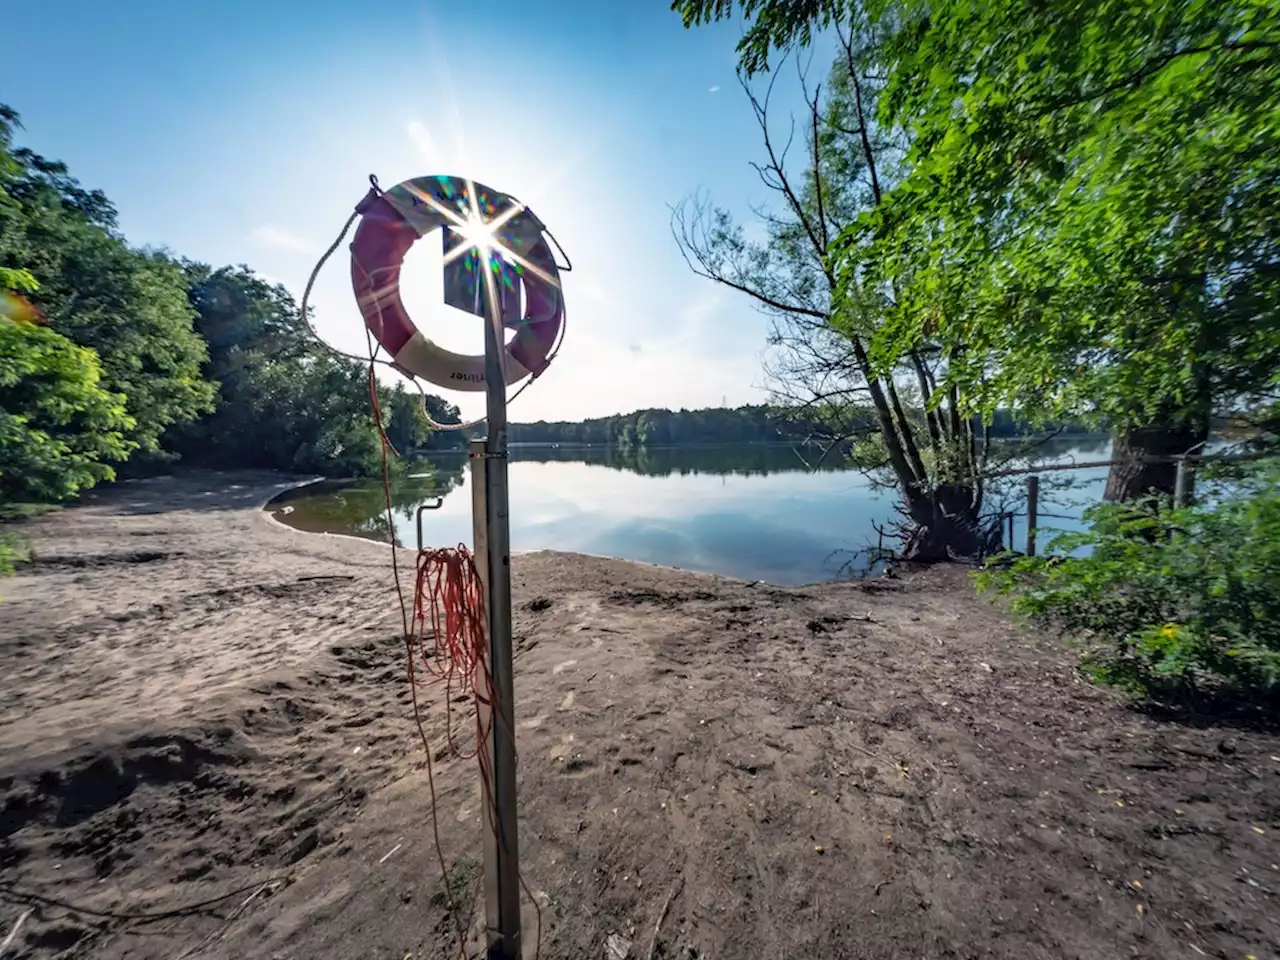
59	428
772	24
12	552
145	356
1089	207
757	423
284	402
1083	223
129	306
1167	601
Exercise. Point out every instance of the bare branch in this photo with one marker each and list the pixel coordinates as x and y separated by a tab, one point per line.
855	80
698	253
776	166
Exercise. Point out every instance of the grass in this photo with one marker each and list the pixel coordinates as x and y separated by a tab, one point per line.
457	883
14	549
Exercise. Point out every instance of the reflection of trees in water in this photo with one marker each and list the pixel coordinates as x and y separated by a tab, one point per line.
360	507
756	460
747	460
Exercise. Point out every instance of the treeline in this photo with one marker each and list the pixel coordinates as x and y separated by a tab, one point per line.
758	423
658	427
115	356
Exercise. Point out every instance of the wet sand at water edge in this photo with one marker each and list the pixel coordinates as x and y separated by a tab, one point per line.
206	750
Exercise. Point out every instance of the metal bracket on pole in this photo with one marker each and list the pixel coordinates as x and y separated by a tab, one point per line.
426	506
501	848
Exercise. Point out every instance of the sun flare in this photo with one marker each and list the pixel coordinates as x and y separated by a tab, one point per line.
477	233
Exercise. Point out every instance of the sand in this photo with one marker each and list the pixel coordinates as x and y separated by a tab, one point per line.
206	751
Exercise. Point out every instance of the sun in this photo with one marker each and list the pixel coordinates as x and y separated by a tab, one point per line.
477	232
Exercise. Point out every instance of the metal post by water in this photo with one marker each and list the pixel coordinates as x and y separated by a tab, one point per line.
1184	483
501	850
1033	512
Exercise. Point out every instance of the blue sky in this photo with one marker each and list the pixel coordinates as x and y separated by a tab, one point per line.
243	132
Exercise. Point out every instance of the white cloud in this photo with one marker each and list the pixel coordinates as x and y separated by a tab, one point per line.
715	89
278	238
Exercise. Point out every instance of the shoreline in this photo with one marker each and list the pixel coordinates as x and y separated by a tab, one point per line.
193	701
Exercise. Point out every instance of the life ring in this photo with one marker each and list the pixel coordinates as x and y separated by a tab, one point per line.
393	219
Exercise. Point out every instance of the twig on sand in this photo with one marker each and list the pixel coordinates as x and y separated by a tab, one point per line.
221	931
13	933
662	915
900	767
18	895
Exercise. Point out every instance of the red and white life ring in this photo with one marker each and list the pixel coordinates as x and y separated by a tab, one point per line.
392	220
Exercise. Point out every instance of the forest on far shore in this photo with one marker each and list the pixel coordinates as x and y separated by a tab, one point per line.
753	423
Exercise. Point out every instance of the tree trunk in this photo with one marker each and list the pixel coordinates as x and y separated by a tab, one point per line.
1130	478
948	525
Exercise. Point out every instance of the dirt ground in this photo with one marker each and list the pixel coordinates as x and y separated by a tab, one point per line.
206	752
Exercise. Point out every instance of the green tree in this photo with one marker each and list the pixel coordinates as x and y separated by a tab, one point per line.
826	325
1087	221
245	321
59	429
284	402
129	306
1104	196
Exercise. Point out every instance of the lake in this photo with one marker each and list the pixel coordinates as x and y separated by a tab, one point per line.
754	512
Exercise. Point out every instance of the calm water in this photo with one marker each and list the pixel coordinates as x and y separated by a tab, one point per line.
754	512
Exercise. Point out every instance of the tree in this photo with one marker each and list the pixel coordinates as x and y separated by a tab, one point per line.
59	429
284	402
129	306
1126	259
245	321
825	324
1087	220
771	24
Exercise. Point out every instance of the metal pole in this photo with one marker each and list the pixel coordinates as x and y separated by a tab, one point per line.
1184	483
501	850
1033	510
479	515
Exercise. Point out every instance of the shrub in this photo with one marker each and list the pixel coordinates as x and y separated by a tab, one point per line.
12	552
1166	601
60	431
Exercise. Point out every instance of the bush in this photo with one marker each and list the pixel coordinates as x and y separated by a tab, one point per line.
1167	602
12	552
60	431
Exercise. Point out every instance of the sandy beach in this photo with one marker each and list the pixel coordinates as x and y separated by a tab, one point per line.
206	751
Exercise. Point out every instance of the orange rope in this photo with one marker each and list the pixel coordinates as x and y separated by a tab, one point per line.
449	609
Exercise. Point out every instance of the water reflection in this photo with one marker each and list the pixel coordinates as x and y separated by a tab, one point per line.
752	460
757	512
360	509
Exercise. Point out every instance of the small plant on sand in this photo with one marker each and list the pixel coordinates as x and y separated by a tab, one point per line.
12	552
1169	601
458	884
